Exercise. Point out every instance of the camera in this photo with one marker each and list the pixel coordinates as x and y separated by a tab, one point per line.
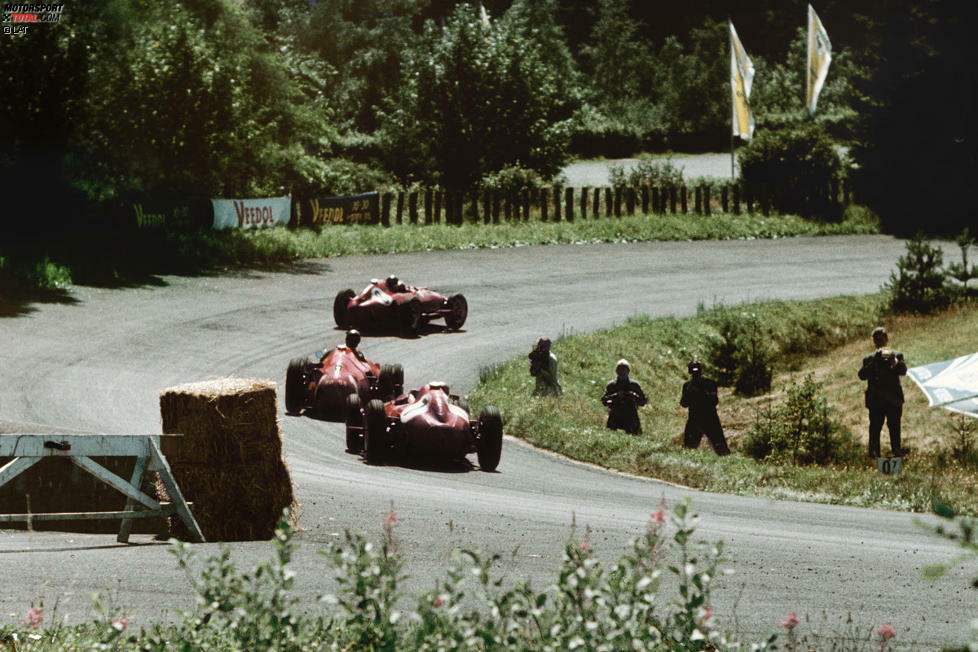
538	358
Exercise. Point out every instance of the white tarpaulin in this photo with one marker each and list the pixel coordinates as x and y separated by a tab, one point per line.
251	213
951	384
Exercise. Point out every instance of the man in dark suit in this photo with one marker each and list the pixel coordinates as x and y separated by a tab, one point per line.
700	396
884	395
623	397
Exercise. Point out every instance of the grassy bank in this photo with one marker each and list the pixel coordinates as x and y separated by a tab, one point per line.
826	338
124	257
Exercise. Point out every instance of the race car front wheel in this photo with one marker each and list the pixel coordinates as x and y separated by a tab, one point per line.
294	387
458	310
340	312
354	424
409	318
391	381
489	445
374	432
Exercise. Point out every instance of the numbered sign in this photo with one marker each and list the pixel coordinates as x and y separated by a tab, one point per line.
889	465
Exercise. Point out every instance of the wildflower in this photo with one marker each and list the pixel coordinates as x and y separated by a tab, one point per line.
391	519
120	622
438	602
790	621
706	614
585	546
34	617
658	516
886	632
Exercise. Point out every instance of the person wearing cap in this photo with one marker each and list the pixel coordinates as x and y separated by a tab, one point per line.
543	367
623	397
884	395
700	397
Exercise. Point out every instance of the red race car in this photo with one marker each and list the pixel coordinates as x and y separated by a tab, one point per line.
323	386
389	303
428	422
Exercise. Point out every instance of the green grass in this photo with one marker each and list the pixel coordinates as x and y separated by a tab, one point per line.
826	338
124	257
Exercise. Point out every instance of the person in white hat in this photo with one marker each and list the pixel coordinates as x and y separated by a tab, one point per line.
623	397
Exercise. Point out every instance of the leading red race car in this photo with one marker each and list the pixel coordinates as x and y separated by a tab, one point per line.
426	423
323	386
390	303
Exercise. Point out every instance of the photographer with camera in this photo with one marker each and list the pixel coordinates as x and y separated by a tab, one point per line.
543	367
700	396
623	397
884	395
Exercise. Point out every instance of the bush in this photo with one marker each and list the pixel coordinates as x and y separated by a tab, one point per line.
919	284
512	179
796	168
647	171
802	430
961	272
740	351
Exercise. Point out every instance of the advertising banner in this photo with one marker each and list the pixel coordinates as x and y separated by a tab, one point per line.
741	79
169	215
251	213
819	58
346	209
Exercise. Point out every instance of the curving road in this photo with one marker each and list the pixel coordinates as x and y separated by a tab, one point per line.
96	364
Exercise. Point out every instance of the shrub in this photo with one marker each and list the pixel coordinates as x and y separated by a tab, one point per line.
919	284
961	272
740	351
802	430
647	171
513	179
796	168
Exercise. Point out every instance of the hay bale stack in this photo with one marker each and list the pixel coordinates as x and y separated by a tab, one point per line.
229	461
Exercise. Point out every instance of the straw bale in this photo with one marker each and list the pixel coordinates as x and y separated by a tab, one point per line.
229	462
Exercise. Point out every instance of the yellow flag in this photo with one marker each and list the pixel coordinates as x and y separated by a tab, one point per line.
819	57
741	78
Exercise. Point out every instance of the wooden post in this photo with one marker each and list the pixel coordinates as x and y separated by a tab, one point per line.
508	206
475	206
698	192
736	199
385	209
569	204
544	193
438	199
672	199
597	203
618	194
427	206
724	198
487	214
526	204
684	199
584	198
400	206
413	207
609	204
556	191
494	197
706	200
645	199
630	200
656	206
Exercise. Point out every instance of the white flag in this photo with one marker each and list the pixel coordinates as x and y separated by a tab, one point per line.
741	78
819	57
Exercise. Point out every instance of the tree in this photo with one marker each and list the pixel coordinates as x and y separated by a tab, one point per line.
475	99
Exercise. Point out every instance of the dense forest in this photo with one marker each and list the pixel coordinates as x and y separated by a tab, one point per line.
224	98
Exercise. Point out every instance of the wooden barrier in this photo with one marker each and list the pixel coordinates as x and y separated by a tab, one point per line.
29	449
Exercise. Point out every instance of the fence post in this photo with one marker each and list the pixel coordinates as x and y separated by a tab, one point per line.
584	199
672	199
698	192
706	200
385	209
427	206
526	204
750	202
436	217
556	196
486	207
400	206
655	200
684	198
569	204
645	199
609	204
494	198
724	198
736	199
597	203
413	207
630	200
544	212
508	206
618	194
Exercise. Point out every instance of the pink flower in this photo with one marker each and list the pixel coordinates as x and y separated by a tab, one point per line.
585	546
658	516
391	519
438	602
790	621
34	617
886	632
707	614
120	622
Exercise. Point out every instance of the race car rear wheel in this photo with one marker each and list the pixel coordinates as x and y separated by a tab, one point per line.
409	317
340	303
391	381
489	445
354	424
295	391
375	432
458	310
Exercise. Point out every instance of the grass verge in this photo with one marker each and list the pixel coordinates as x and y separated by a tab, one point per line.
826	338
124	257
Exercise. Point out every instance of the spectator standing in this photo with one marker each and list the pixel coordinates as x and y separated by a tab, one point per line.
884	394
700	396
623	397
543	367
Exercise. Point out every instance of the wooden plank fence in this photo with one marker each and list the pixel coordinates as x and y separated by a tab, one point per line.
556	204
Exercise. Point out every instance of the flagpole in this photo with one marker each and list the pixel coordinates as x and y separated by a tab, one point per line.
732	113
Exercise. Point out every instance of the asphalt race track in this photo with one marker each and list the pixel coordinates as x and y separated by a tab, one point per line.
98	362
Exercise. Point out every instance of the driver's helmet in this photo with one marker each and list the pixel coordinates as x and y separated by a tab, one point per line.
353	338
392	282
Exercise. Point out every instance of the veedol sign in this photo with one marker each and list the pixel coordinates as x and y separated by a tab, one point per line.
251	213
